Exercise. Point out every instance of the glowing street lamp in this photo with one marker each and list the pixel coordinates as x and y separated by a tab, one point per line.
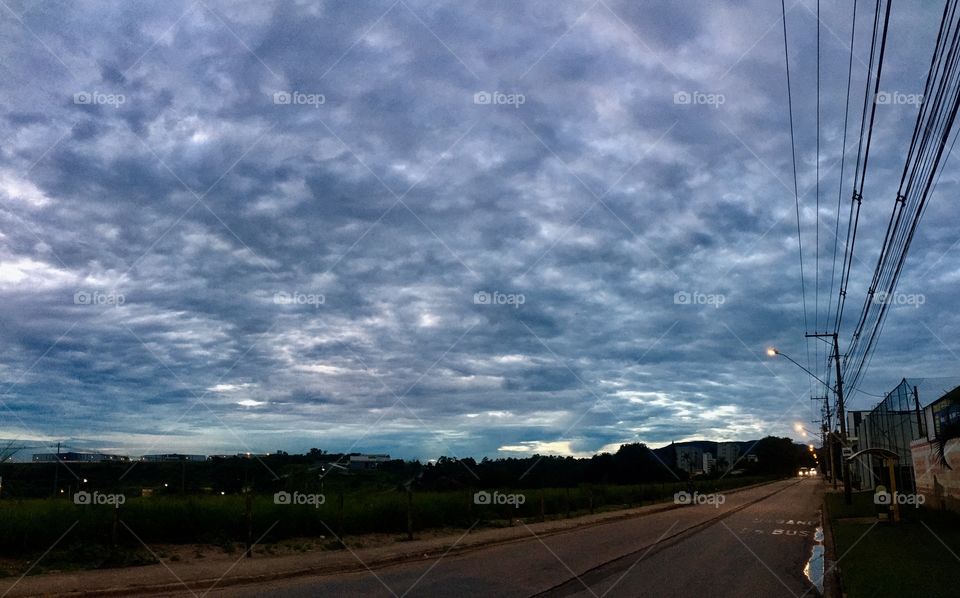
773	352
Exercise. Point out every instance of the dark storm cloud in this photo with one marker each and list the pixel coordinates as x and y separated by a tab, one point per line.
249	227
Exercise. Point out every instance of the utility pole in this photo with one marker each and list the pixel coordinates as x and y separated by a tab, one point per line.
847	490
826	438
916	402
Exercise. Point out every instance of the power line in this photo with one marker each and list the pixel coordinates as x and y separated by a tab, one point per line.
922	168
816	295
863	153
793	152
843	161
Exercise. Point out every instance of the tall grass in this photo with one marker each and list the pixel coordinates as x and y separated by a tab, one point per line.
28	526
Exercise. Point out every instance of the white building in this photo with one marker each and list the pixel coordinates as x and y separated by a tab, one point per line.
709	463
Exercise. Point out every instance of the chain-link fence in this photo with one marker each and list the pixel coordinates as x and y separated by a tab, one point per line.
893	424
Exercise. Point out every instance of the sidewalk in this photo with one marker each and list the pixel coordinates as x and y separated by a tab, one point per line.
204	575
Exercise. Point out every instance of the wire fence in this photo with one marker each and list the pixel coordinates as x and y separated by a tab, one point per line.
893	424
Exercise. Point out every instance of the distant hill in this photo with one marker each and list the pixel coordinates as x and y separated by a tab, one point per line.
667	453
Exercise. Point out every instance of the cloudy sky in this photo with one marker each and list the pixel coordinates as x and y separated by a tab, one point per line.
426	228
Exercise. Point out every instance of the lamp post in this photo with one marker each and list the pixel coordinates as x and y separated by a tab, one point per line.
773	352
847	490
845	466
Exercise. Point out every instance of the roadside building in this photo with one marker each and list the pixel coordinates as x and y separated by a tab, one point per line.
172	458
362	462
77	457
936	456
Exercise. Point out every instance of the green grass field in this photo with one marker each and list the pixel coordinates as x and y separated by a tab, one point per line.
917	557
28	527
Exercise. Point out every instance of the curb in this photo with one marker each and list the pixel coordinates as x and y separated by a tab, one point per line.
832	583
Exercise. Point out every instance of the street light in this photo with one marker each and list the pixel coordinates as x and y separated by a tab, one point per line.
773	351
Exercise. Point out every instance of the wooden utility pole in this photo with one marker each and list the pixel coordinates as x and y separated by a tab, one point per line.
916	402
826	437
845	465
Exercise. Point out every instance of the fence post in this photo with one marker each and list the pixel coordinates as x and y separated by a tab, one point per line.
248	507
409	513
543	514
113	527
340	518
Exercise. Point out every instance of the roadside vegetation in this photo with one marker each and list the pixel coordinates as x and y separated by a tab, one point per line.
231	503
920	556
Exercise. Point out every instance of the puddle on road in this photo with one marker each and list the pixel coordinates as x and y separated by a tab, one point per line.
813	570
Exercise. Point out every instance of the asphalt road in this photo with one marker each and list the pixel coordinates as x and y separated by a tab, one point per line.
755	544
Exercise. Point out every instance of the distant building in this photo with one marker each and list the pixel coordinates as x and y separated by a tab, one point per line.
75	457
367	461
172	458
689	458
709	463
727	454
